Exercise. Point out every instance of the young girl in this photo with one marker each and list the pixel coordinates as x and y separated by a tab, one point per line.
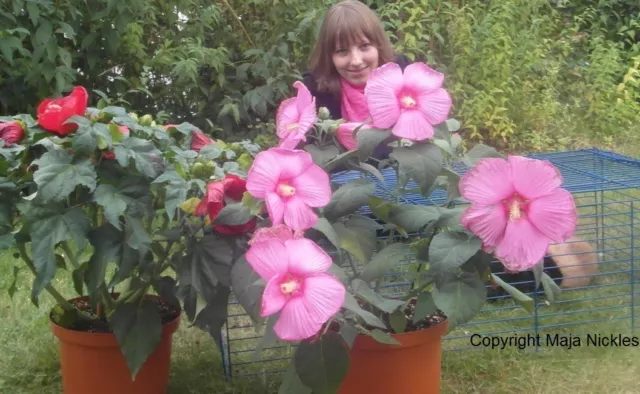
350	45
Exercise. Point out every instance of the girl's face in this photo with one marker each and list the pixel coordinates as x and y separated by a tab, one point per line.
355	63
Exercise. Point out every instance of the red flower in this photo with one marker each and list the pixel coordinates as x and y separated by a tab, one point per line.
232	187
199	140
11	133
52	113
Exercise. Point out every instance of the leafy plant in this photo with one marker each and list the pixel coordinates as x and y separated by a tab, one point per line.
318	235
125	208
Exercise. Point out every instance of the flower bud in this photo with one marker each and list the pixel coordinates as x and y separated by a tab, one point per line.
11	132
146	120
133	116
323	113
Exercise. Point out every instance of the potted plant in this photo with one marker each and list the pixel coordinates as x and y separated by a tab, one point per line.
125	208
318	264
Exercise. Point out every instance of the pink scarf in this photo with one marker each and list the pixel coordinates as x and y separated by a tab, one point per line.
354	106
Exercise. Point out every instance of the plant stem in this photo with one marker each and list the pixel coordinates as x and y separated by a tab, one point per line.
66	305
70	255
239	22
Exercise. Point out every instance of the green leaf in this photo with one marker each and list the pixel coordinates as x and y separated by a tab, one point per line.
412	218
147	159
479	152
135	235
551	288
213	316
398	321
322	156
449	250
358	236
113	202
351	304
348	198
424	306
422	162
322	365
362	290
245	290
325	228
524	300
369	139
89	137
207	263
176	194
138	331
44	32
51	226
460	297
291	383
341	159
233	214
385	261
59	174
384	337
348	332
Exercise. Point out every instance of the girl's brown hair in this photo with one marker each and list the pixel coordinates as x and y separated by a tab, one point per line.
344	25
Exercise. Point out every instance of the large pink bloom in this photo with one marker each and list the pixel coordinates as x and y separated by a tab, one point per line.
295	117
517	209
297	284
291	185
411	103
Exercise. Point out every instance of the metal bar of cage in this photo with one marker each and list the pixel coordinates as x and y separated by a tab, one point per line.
606	187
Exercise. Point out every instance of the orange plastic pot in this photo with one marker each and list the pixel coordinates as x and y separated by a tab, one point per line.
413	367
93	363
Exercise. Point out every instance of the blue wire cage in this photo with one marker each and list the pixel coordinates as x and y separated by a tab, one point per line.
605	186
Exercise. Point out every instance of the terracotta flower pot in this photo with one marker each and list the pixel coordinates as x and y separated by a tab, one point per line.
93	363
411	368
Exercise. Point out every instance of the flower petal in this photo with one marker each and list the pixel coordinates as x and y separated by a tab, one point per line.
235	186
383	86
488	182
290	141
534	178
272	298
344	133
413	126
324	296
435	105
304	99
281	232
263	175
488	222
313	187
554	215
522	247
268	258
306	257
286	117
295	322
298	215
275	207
422	78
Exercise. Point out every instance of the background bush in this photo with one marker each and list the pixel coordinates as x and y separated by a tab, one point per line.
524	74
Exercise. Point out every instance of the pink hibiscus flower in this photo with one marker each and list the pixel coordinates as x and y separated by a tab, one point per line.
297	284
295	117
411	103
517	209
291	185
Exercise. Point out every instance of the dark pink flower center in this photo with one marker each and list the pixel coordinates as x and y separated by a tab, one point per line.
290	285
516	206
285	190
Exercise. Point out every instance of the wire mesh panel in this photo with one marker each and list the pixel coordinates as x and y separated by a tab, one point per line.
606	188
